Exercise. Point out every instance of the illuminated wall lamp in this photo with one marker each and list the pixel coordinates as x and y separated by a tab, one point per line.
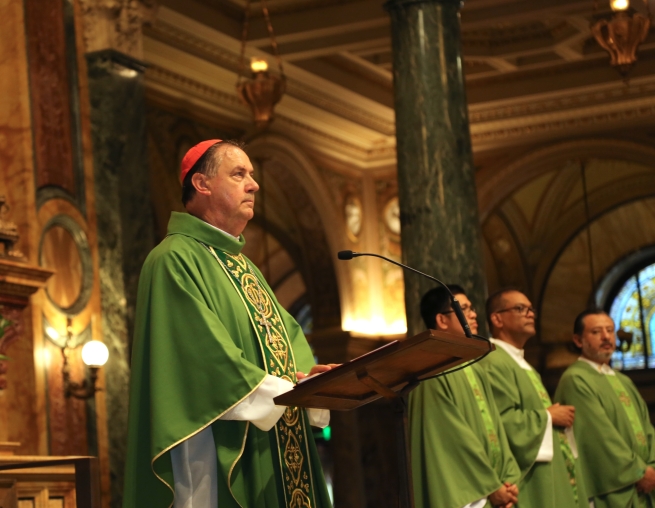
94	355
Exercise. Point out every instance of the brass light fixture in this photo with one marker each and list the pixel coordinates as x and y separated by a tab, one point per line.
94	354
263	90
623	33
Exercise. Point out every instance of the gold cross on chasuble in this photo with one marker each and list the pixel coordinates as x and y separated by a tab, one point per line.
277	354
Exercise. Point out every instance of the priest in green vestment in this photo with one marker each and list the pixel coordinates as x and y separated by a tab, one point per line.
612	426
539	432
460	454
212	348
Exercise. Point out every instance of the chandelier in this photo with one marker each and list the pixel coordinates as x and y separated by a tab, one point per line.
262	90
622	34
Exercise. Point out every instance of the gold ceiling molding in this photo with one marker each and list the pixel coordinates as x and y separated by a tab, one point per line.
156	75
214	53
595	96
176	85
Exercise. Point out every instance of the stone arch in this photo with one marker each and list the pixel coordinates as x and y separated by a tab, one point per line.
495	184
297	177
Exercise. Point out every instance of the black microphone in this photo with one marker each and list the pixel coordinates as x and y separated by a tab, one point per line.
345	255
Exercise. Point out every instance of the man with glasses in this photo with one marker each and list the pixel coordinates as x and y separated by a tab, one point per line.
536	428
612	424
460	454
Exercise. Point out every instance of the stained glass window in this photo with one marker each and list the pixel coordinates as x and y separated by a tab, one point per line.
633	312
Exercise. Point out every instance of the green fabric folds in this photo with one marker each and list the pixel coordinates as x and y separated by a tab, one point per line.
543	484
613	459
454	461
195	356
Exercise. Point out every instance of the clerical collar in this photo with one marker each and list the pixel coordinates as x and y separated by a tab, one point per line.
224	232
603	368
518	355
191	226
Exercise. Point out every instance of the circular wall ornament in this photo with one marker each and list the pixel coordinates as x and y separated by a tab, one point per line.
391	216
353	213
64	248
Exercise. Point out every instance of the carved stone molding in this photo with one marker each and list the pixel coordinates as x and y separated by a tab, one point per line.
117	24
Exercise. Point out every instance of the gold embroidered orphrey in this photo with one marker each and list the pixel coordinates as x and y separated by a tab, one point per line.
291	429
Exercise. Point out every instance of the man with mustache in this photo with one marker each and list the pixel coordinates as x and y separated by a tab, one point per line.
612	425
535	426
212	349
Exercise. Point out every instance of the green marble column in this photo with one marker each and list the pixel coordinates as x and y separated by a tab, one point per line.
438	203
125	225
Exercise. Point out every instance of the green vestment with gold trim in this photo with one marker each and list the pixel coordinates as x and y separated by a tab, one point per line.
543	484
457	456
612	455
196	355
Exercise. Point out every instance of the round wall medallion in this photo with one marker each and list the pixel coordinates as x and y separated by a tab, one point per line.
64	248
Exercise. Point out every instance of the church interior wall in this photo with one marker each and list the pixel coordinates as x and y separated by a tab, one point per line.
531	214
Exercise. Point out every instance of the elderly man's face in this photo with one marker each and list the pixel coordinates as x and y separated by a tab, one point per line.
233	187
598	339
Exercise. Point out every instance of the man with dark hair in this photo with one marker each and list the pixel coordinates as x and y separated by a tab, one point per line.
460	454
535	426
212	349
612	425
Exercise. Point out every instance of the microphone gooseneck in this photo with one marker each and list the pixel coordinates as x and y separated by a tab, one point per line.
346	255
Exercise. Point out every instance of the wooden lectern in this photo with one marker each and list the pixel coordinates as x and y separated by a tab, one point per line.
391	371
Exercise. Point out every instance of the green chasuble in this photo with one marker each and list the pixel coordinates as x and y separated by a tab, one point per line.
196	355
543	484
614	450
459	454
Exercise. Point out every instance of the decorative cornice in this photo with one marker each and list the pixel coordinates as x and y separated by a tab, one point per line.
227	59
479	113
160	78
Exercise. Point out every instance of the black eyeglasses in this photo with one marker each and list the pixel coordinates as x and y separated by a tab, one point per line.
521	310
466	310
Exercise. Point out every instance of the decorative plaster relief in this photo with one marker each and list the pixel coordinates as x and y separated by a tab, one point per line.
117	24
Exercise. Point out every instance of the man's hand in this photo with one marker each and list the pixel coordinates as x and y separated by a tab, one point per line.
647	483
562	416
316	369
505	497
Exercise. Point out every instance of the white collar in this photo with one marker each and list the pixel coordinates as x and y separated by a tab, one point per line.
602	368
518	355
224	232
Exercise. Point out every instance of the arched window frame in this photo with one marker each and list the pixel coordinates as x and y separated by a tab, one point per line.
610	288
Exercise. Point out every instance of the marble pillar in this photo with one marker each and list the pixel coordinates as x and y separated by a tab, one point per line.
438	203
125	224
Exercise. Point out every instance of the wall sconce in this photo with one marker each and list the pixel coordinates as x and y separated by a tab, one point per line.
94	354
262	91
621	35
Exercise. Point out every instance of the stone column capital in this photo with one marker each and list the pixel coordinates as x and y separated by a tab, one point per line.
116	25
402	4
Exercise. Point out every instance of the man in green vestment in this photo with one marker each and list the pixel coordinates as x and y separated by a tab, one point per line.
212	348
536	429
460	454
612	426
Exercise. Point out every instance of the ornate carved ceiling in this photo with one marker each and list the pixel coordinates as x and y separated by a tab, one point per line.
533	71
